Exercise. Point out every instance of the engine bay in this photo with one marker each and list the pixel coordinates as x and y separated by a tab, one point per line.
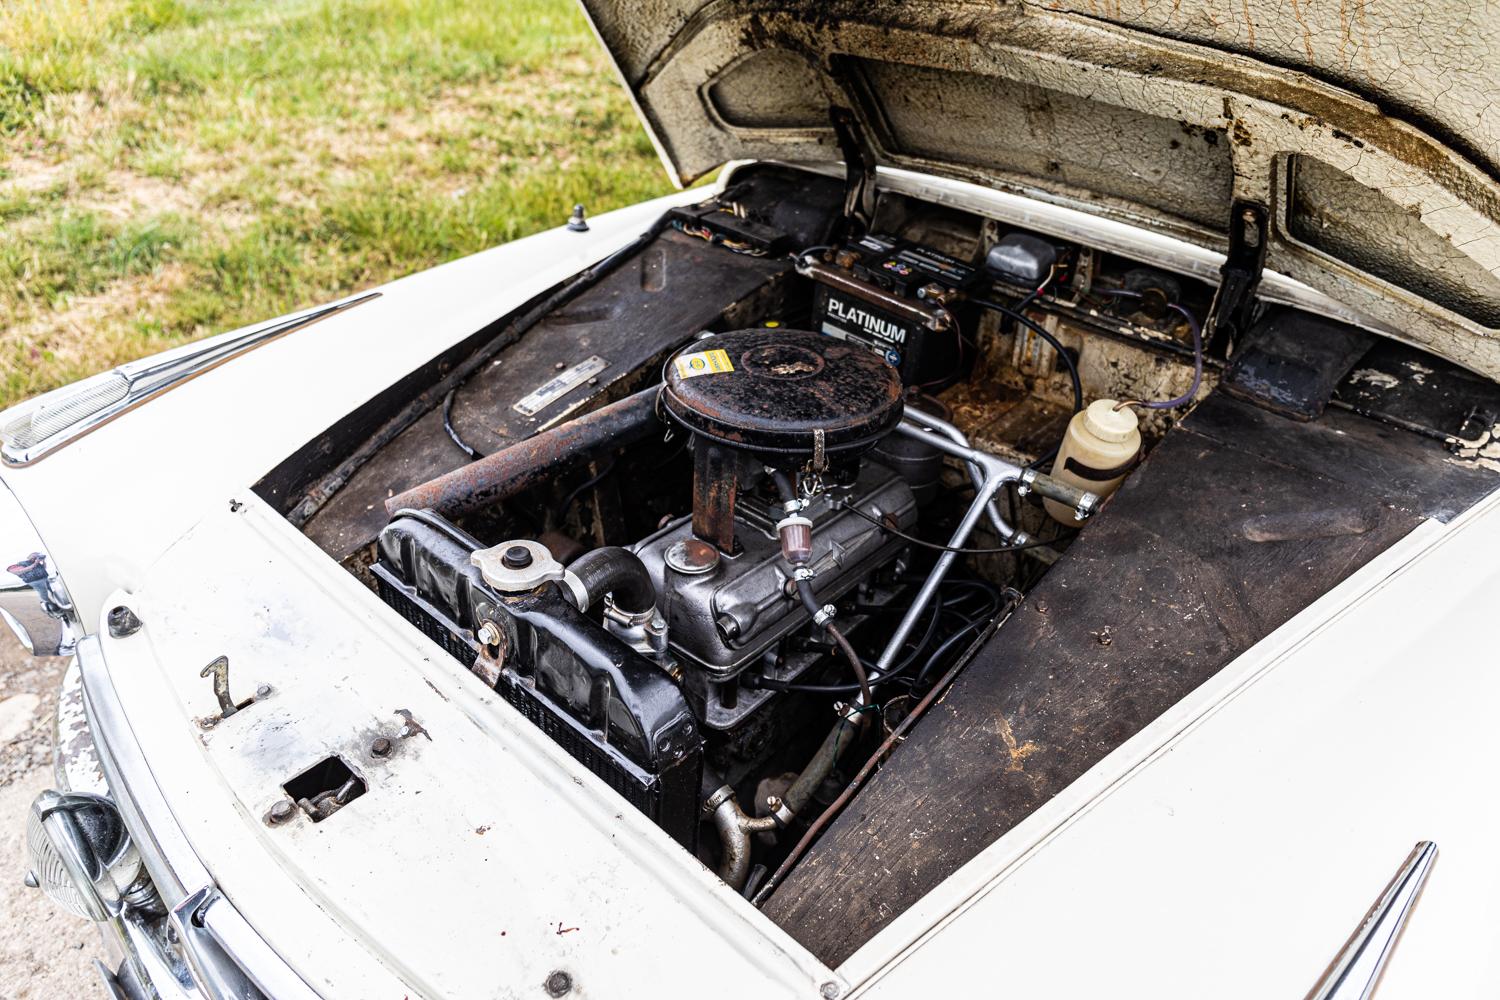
728	513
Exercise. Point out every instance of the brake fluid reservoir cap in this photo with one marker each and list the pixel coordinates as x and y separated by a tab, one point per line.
1102	420
767	391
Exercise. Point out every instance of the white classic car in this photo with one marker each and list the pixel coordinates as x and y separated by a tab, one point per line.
1029	527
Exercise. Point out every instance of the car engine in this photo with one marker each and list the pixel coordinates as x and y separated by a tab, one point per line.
661	656
726	514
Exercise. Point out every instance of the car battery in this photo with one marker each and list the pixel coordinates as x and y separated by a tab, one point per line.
905	268
892	297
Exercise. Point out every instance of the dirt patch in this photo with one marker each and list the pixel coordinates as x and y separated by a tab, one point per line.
46	953
33	175
28	682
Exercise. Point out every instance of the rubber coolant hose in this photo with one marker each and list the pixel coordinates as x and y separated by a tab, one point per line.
618	572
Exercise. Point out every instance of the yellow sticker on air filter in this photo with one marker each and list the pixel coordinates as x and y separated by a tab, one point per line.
702	363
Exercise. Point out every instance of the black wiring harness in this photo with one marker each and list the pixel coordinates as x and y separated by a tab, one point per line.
962	608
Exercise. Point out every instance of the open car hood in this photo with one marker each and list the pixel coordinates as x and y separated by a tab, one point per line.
1368	132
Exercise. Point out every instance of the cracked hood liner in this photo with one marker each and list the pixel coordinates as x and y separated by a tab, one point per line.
1369	131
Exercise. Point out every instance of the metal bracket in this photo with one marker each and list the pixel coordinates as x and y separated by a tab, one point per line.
1234	302
859	176
220	670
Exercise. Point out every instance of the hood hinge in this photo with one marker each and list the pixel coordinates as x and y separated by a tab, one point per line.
859	176
1234	302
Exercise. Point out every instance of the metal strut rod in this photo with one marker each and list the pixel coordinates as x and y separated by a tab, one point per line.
991	473
1008	535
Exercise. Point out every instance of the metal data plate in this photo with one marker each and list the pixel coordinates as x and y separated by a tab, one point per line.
554	389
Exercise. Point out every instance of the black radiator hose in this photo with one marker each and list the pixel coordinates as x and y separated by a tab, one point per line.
618	572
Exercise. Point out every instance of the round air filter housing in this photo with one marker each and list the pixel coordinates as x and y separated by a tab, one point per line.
769	391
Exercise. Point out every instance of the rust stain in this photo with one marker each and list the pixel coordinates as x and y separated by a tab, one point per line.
1345	33
532	460
1306	31
1018	751
1364	29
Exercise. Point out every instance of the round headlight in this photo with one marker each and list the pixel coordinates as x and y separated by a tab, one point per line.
81	854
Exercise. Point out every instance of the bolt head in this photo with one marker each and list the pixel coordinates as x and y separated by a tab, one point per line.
830	991
559	983
280	812
263	691
381	747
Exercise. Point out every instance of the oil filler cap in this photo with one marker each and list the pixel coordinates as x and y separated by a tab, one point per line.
768	391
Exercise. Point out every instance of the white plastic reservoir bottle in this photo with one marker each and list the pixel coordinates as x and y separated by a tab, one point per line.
1098	449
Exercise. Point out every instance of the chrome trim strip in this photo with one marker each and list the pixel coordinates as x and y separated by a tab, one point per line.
220	975
223	949
147	379
159	963
235	937
1355	971
111	983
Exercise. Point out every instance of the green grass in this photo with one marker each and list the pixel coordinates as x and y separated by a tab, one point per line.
173	168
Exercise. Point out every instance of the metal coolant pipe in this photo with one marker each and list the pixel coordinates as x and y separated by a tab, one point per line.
735	829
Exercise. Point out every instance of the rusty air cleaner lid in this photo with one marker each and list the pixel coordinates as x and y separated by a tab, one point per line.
768	392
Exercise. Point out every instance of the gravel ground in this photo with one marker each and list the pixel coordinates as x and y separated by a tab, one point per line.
45	953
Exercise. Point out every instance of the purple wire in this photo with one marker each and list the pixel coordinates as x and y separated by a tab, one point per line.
1186	397
1192	322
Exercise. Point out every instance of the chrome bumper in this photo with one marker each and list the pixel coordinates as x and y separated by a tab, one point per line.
203	947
